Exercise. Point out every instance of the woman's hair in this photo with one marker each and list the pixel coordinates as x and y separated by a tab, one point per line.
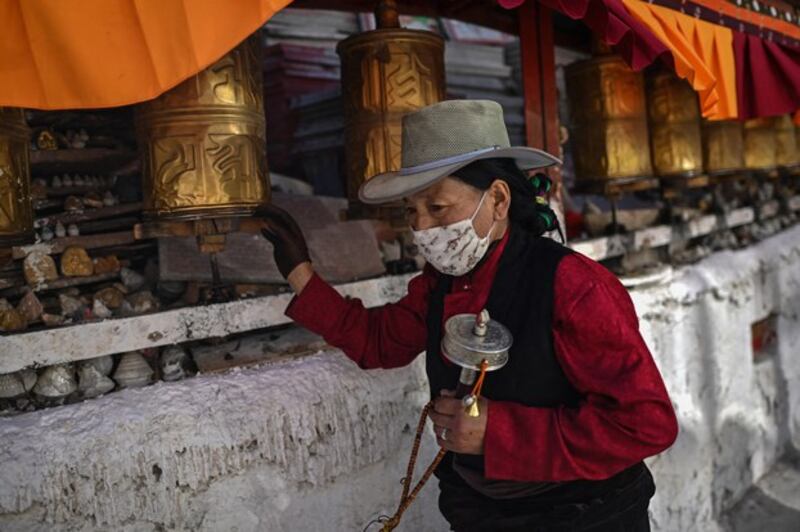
529	206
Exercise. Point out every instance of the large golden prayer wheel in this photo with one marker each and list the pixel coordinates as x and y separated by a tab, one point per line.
386	73
723	146
608	119
16	211
786	153
203	143
759	144
674	119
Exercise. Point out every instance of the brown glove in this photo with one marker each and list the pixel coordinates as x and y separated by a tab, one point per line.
286	238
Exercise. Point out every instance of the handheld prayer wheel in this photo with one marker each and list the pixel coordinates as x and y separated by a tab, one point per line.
16	211
203	143
477	344
723	146
674	119
386	73
759	144
786	153
608	119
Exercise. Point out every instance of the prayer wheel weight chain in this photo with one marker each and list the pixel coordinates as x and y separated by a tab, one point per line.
409	495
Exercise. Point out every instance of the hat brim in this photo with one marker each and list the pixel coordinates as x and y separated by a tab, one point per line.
392	186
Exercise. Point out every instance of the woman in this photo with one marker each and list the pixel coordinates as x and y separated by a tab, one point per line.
565	425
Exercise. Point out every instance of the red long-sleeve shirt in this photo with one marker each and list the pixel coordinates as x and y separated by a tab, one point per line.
625	414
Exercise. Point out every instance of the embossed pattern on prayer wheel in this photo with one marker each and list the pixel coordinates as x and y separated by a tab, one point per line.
723	146
759	144
386	73
16	211
674	119
609	119
203	143
786	153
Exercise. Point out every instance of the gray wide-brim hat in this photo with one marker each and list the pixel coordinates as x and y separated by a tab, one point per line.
439	139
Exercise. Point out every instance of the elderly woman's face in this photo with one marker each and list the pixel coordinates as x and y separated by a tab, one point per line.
451	200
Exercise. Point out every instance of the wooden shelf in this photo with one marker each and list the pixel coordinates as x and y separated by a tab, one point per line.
58	245
88	214
616	245
61	282
86	160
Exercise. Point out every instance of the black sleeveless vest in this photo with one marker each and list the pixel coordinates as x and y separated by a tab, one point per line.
521	298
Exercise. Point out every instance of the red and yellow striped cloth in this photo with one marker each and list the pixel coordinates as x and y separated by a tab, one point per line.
736	74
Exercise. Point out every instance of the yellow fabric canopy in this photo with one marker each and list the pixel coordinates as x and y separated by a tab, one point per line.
702	52
59	54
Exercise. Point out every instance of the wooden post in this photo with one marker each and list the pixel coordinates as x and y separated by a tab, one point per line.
537	58
537	55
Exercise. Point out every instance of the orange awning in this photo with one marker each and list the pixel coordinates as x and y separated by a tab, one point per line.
703	54
61	54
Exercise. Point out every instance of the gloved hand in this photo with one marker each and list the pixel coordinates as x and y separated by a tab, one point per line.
286	237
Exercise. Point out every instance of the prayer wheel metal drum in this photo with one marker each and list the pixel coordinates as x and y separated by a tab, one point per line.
16	211
203	143
674	119
609	119
760	152
723	146
786	153
386	73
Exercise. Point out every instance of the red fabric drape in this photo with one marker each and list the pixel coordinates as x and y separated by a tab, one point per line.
615	26
767	76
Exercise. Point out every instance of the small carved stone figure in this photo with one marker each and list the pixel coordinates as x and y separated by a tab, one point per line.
173	361
107	264
17	384
91	381
30	307
38	268
110	297
133	371
75	262
46	140
56	383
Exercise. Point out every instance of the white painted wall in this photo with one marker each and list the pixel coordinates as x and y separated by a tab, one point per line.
317	444
736	417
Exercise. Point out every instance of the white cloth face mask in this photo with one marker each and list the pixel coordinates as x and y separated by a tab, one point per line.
456	248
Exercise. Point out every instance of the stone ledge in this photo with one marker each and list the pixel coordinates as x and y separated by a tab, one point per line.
253	444
93	339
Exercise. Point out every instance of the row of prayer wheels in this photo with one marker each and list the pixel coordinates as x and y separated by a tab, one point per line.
626	124
203	144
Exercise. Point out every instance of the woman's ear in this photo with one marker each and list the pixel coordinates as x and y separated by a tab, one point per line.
501	194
